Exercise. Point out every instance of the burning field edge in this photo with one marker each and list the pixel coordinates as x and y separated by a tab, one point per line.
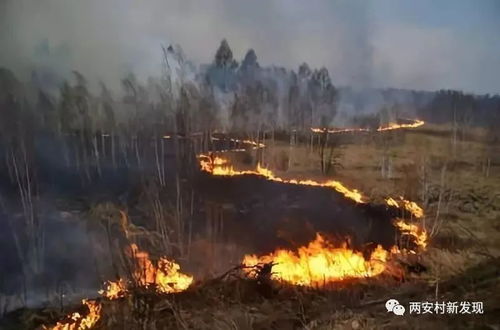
319	266
321	285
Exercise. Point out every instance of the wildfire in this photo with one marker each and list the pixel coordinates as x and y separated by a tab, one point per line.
320	263
343	130
76	321
411	207
419	235
416	123
164	277
220	166
114	289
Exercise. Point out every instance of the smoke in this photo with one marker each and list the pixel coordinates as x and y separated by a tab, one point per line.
362	43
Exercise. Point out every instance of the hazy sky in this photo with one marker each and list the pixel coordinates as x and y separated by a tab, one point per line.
420	44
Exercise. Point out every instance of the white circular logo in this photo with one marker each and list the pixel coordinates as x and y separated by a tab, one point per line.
392	305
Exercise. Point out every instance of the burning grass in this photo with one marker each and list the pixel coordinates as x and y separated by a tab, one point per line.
292	298
320	263
235	302
317	264
79	321
413	123
164	277
219	166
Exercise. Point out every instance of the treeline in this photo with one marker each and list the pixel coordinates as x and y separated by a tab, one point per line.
230	96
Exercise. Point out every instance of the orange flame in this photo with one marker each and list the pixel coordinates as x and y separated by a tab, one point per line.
220	166
320	263
411	207
76	321
114	289
419	235
340	130
416	123
165	277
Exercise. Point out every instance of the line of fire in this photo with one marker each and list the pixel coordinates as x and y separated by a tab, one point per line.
235	195
322	263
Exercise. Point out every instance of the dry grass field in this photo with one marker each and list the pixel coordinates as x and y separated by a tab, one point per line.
461	198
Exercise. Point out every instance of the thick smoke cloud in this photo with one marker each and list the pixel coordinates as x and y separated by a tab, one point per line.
362	43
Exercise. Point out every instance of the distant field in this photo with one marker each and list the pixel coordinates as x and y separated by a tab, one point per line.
422	165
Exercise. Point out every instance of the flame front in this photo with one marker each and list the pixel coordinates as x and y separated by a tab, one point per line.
320	263
114	289
416	123
419	235
221	166
410	206
76	321
340	130
165	276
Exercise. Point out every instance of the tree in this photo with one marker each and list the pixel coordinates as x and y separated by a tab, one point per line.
304	71
108	125
47	109
222	71
250	63
224	55
323	96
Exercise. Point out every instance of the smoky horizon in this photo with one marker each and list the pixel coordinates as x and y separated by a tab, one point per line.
364	44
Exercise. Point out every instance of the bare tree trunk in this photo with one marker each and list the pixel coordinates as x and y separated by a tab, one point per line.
163	161
488	165
113	152
290	149
438	222
103	145
158	165
33	229
96	155
85	156
65	148
190	233
10	170
123	143
262	150
137	154
455	129
179	216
